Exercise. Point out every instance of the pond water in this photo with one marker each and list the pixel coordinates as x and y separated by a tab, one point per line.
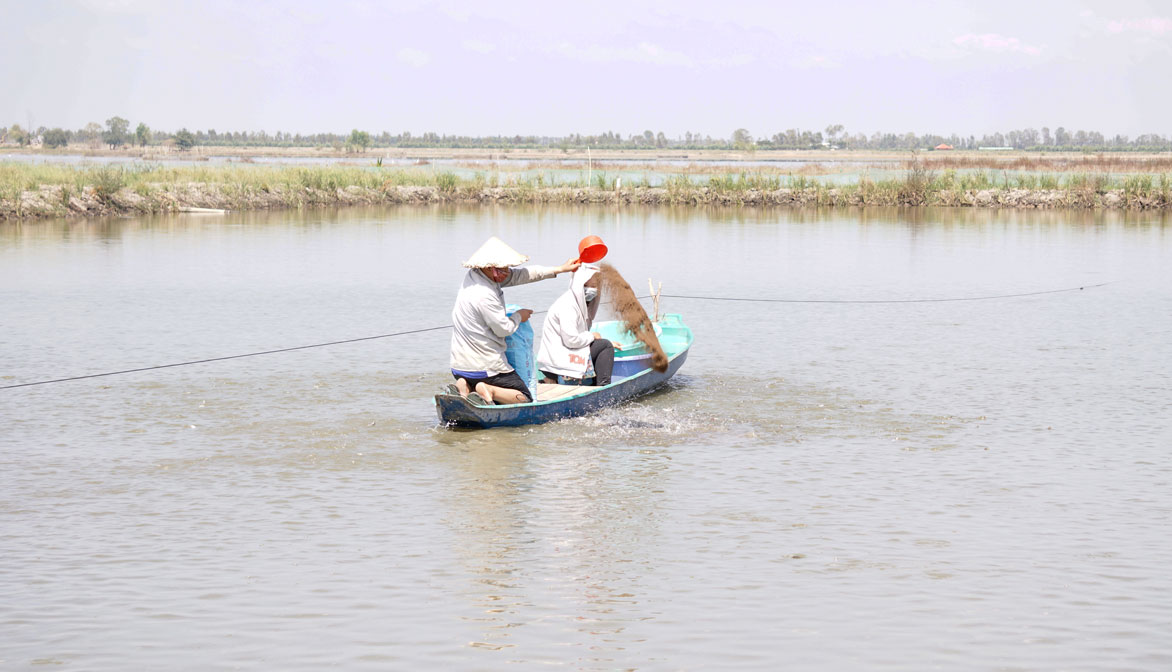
978	484
370	157
568	171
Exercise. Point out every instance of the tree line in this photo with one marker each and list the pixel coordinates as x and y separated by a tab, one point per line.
116	133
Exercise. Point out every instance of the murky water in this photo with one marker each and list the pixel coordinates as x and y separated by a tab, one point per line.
957	485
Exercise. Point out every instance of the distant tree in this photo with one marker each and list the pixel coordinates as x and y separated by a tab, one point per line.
18	135
794	138
92	133
1151	140
184	139
117	132
56	137
359	140
741	139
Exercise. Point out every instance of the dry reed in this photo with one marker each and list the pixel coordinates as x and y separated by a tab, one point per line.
1098	163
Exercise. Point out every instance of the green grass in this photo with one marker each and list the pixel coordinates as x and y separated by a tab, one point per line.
744	182
108	181
1138	185
161	186
32	176
446	181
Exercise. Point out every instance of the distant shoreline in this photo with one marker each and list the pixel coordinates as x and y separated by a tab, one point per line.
31	191
200	153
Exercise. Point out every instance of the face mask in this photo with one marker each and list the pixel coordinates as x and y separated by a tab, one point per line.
591	294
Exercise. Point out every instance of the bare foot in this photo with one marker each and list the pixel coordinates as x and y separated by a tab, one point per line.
484	391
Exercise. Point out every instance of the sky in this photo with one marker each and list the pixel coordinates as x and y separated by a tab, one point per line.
549	68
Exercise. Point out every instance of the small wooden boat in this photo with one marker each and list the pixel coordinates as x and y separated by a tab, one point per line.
632	377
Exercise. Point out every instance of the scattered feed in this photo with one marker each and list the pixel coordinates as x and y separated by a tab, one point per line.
631	312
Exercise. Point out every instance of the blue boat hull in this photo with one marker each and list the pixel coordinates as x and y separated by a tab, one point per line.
456	411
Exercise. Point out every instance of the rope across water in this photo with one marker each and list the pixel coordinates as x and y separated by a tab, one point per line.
945	300
448	326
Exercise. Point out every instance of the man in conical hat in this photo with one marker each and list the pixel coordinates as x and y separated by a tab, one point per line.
480	325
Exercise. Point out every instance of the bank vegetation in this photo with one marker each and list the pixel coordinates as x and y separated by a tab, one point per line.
47	190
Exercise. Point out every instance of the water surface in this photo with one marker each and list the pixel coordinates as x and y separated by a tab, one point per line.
962	485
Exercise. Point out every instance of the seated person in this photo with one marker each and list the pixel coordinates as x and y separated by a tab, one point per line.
568	347
480	324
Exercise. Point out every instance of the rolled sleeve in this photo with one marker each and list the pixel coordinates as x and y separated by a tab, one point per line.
523	275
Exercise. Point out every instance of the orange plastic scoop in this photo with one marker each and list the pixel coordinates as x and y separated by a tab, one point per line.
591	249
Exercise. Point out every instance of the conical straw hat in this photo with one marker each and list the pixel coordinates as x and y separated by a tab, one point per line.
495	253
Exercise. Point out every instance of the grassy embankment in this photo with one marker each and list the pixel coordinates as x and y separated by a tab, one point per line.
44	190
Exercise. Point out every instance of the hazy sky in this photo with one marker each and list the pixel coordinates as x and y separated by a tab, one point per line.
554	68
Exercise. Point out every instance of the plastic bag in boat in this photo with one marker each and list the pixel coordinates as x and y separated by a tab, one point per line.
519	352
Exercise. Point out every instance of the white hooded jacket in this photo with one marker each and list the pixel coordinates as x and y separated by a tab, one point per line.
566	335
479	323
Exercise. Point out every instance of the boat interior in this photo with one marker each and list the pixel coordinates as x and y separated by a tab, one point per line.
551	391
631	356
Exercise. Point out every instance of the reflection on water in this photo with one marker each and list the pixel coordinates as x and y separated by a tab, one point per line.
435	218
561	531
968	483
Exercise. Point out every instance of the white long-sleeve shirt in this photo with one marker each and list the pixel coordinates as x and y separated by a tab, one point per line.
479	323
566	336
